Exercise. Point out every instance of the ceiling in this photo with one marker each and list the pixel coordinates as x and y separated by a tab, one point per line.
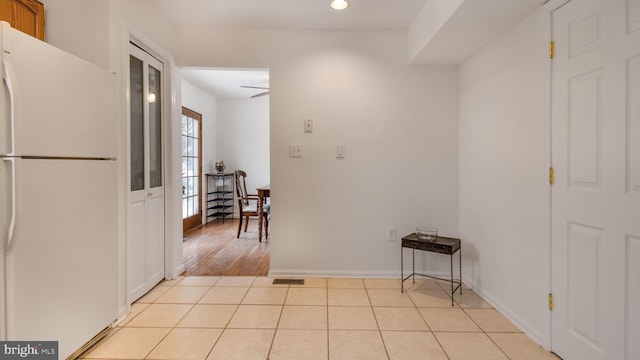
277	14
472	26
292	14
226	83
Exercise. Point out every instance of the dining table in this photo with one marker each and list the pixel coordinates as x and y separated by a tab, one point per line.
263	193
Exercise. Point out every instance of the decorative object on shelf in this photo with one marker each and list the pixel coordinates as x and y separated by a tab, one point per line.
220	166
426	233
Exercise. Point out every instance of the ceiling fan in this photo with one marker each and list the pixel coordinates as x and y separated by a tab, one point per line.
257	87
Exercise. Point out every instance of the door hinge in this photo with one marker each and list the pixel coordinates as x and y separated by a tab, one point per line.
550	175
550	301
550	49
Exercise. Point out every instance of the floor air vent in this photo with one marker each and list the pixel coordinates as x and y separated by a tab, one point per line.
288	281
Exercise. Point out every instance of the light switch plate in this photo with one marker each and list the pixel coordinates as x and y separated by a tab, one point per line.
296	150
392	234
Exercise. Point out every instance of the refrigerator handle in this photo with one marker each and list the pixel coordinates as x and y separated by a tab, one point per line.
7	74
12	224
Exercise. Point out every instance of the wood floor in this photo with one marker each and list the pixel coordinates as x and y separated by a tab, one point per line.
214	250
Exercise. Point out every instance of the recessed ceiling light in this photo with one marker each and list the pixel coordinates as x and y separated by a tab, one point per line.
339	4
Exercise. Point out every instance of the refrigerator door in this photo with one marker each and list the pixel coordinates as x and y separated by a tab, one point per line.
6	208
60	105
61	266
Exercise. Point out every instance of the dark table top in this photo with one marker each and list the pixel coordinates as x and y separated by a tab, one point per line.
441	244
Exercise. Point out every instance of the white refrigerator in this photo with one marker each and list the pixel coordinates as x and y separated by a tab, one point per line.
58	195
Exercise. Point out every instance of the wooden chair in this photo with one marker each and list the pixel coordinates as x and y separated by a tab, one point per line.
248	204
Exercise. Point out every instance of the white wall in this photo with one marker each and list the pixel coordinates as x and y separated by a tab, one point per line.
198	100
79	27
433	16
503	162
399	125
142	17
243	138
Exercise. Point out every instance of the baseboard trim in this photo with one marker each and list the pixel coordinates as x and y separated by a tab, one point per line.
348	273
181	269
530	331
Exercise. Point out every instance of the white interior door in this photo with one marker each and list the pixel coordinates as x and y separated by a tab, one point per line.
596	193
145	217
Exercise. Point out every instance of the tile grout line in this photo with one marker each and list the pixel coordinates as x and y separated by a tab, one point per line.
193	305
327	308
170	328
275	332
225	325
230	317
384	345
429	327
485	333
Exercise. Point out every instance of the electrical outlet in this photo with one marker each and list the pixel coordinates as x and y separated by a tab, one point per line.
391	234
296	150
308	126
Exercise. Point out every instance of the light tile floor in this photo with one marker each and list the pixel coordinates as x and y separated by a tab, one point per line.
248	318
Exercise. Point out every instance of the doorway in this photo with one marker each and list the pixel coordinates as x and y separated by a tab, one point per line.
234	104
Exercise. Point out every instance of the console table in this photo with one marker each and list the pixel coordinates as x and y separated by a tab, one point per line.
440	245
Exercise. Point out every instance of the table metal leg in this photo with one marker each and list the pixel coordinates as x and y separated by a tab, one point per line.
413	265
460	256
401	274
451	258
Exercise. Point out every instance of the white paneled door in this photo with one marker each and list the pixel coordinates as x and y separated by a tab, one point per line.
596	193
145	215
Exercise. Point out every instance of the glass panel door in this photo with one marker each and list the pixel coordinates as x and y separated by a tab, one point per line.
155	127
191	169
145	211
136	89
